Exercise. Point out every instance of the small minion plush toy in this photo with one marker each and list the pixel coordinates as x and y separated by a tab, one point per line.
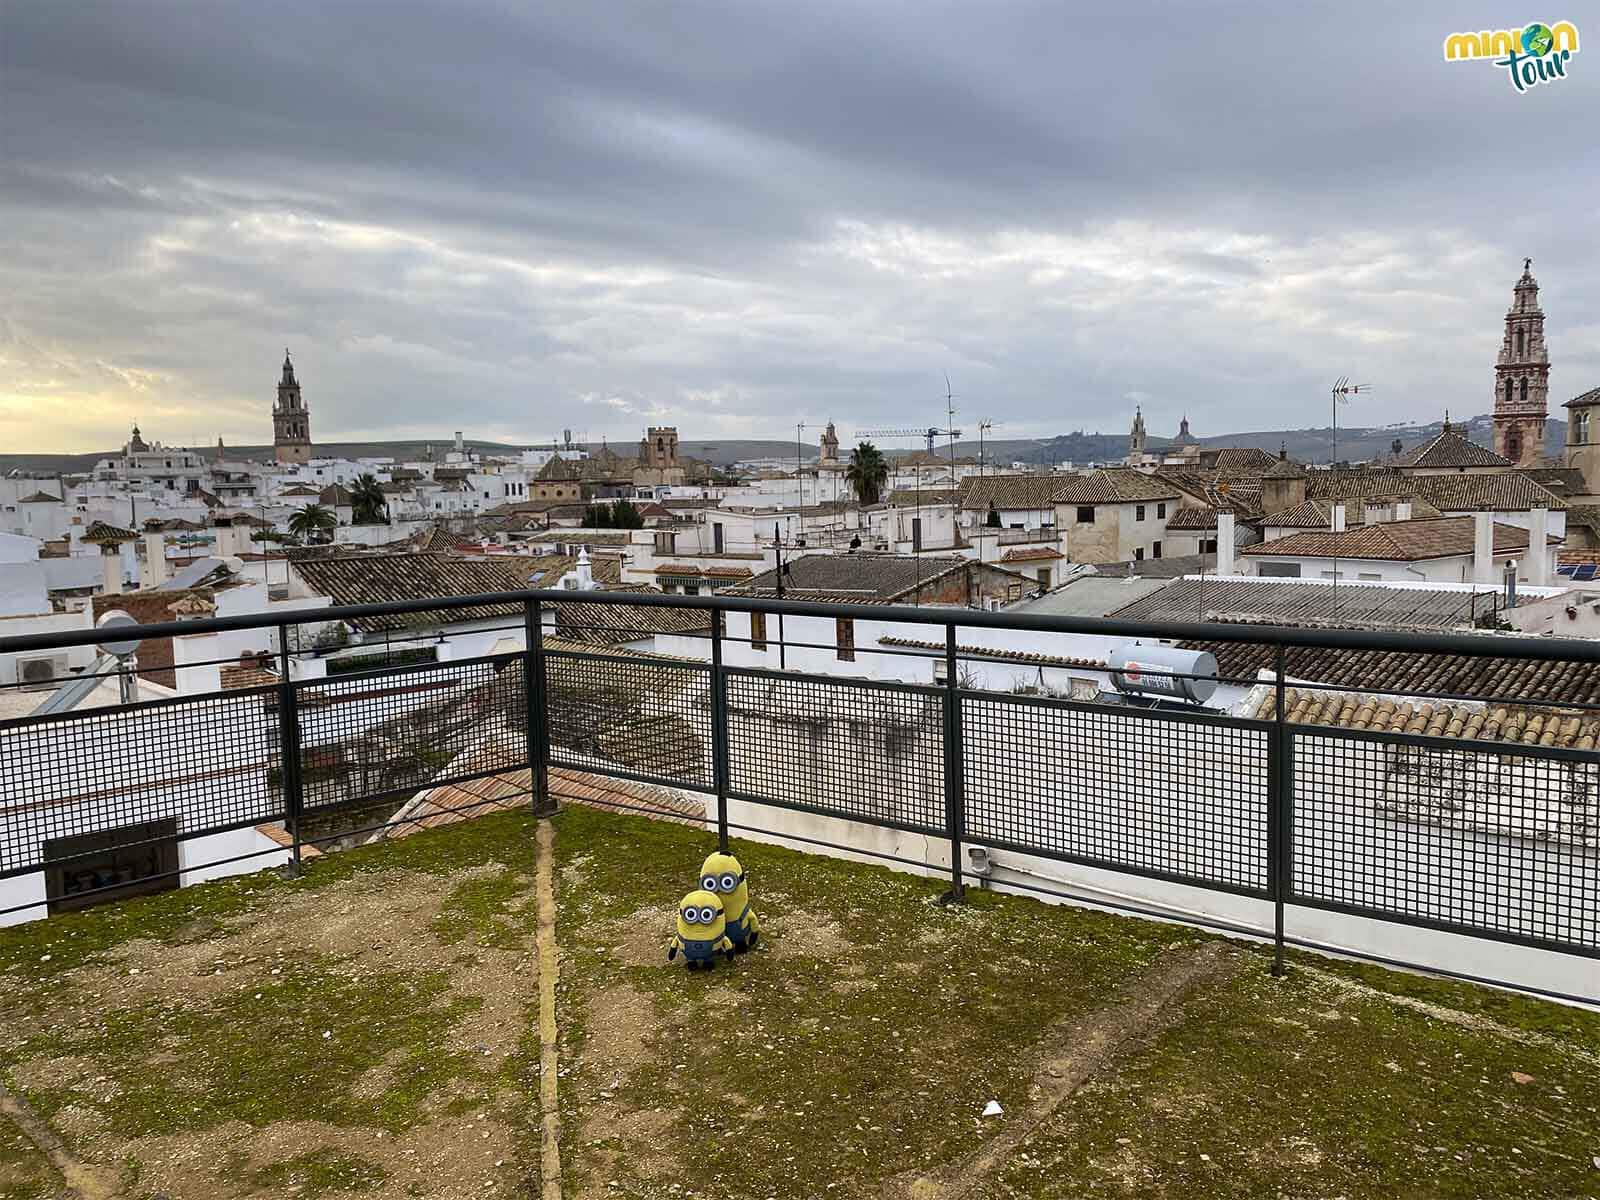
701	932
722	874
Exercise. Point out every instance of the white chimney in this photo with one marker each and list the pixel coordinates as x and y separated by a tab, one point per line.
585	574
153	572
111	567
1538	556
1338	518
1483	548
461	446
1402	510
1224	543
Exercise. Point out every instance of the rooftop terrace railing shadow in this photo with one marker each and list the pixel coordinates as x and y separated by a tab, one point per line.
1493	840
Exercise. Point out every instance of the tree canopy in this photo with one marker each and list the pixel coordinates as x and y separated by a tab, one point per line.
867	473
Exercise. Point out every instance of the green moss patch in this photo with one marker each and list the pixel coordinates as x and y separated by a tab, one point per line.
318	1172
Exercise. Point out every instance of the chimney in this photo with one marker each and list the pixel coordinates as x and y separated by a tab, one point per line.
1402	510
153	573
1338	518
1483	547
1538	556
111	566
585	572
1224	543
461	446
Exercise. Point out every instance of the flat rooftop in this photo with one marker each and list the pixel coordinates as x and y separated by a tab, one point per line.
373	1029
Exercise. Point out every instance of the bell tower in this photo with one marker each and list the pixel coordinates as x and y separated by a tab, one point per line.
1522	377
291	423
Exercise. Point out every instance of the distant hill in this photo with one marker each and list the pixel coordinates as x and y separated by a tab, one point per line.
1305	445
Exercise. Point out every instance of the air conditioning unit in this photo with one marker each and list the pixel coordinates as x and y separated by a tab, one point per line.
41	672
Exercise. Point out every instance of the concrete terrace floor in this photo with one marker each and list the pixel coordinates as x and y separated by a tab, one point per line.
371	1030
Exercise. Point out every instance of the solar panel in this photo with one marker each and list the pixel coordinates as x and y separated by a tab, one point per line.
1584	572
1569	569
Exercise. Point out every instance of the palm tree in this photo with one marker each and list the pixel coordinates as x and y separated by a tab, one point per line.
368	505
867	473
314	523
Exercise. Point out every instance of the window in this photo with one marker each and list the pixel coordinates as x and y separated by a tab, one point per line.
1524	395
1333	574
1044	578
1085	514
1519	343
128	861
1281	570
1208	546
1161	511
691	589
1508	391
1138	512
1155	549
845	639
1138	554
758	631
1369	575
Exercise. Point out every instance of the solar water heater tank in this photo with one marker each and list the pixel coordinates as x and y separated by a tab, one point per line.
1164	672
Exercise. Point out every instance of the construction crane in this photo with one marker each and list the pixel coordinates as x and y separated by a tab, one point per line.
928	434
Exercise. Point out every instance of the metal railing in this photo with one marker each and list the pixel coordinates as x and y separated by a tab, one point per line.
1443	831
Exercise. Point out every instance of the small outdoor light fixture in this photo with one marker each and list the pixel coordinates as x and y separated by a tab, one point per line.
978	862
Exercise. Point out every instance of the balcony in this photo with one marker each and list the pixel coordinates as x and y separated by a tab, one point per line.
369	1015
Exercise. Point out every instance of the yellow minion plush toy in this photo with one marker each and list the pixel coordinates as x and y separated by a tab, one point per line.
722	875
702	932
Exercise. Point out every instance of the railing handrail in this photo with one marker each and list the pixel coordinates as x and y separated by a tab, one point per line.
1533	647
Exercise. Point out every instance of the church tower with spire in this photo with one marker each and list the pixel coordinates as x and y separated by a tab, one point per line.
1136	439
1522	377
291	423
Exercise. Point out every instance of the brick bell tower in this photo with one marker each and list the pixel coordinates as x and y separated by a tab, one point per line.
1522	377
291	423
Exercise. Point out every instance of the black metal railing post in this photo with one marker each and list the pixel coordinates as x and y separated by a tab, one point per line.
537	729
954	782
1278	787
719	730
289	751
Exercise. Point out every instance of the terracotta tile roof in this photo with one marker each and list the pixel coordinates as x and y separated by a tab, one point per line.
613	624
1503	491
861	578
1003	491
1031	554
1516	680
240	676
928	497
1202	517
1592	396
1395	541
1563	481
383	578
102	533
1318	514
335	495
1575	730
1226	491
1298	602
1238	458
1116	486
451	803
1284	468
994	655
1449	449
1584	516
40	498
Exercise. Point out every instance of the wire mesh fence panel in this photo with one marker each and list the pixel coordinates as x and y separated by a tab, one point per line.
1179	798
1480	839
382	733
636	716
862	751
207	763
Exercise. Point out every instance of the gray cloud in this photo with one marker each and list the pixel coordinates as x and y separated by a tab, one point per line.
520	218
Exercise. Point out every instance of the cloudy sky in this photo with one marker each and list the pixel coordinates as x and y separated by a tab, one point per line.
513	218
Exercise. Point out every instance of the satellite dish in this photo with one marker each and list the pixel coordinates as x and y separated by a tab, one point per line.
117	619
